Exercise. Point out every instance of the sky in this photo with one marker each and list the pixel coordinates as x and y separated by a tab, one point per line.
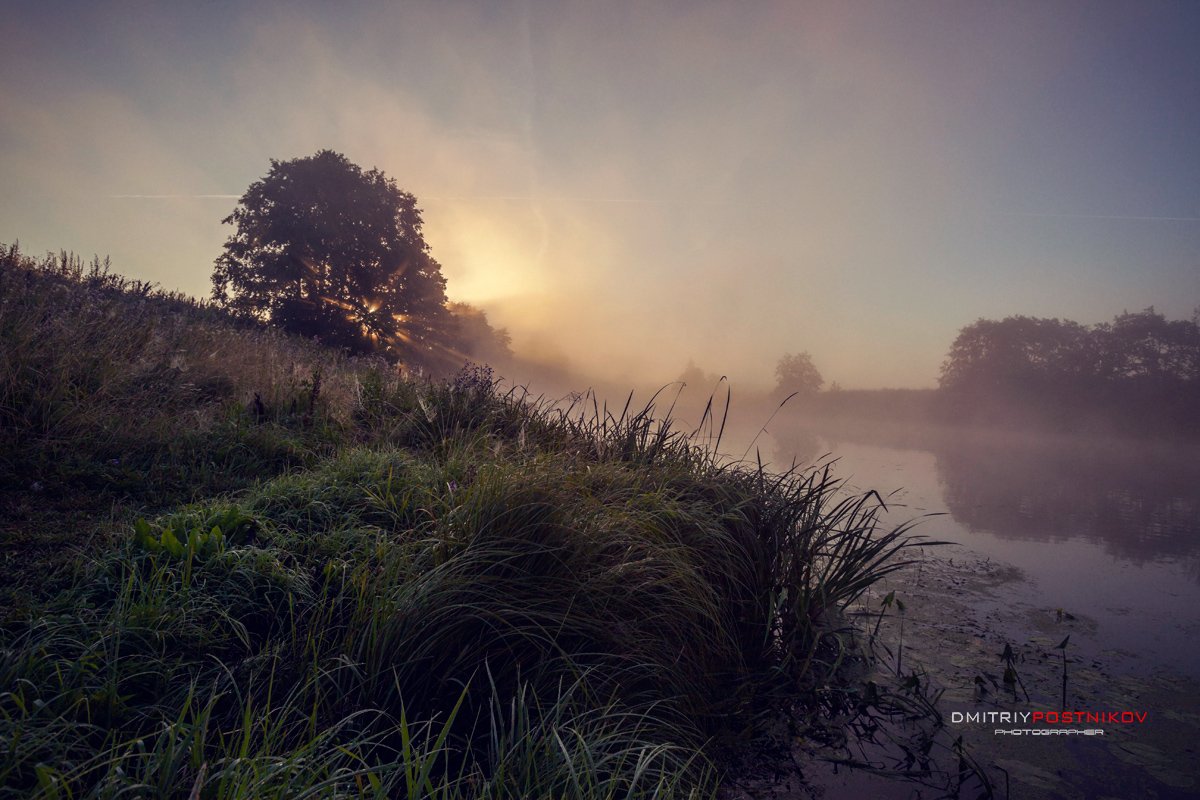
630	186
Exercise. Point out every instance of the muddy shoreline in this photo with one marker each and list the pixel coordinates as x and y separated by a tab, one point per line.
952	616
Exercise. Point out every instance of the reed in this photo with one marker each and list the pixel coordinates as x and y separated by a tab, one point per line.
331	579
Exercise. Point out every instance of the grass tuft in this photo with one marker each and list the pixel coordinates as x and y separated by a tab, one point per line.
285	573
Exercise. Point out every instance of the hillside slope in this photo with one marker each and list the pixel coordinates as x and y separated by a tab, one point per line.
241	565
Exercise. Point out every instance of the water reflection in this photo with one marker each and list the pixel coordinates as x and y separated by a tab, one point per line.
796	445
1139	501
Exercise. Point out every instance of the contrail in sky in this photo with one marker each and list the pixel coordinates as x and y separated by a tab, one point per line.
174	196
1099	216
527	132
515	198
523	198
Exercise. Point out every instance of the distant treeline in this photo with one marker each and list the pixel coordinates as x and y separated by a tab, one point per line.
1137	375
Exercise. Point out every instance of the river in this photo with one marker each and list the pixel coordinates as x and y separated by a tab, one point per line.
1051	536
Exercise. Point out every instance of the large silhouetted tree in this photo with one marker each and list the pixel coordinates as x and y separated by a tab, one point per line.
323	248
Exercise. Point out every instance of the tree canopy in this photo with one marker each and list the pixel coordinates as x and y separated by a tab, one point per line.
1026	352
693	375
796	373
474	336
323	248
1017	352
1137	373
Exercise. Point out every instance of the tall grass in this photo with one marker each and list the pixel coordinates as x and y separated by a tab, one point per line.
98	372
382	586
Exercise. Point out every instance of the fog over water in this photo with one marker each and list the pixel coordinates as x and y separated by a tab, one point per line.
1102	526
1088	541
991	209
1107	529
631	189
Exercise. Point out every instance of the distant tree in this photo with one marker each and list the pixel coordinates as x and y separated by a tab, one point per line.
1025	353
1017	353
1139	373
1146	346
324	249
474	336
696	377
796	373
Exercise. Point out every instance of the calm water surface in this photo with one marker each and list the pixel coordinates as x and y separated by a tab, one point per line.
1108	530
1095	538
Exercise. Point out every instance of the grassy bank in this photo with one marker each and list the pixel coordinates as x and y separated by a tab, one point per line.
240	565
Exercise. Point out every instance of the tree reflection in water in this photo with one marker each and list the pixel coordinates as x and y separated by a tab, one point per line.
1138	500
1141	501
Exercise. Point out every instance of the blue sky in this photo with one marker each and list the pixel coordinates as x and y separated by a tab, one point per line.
629	186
